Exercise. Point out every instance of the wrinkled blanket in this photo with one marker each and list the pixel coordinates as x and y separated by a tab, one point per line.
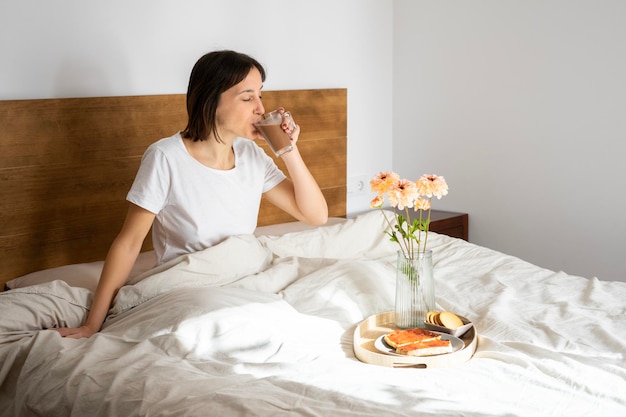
263	326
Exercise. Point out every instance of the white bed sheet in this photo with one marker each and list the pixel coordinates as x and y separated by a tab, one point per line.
263	326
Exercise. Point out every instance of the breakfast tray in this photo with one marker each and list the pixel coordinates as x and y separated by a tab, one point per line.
377	325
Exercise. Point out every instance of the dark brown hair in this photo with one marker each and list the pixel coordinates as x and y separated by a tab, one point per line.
213	74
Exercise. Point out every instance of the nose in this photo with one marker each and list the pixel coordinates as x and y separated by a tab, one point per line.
259	107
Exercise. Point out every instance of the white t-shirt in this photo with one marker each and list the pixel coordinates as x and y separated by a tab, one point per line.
197	206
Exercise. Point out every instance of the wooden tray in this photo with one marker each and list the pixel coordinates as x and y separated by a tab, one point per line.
377	325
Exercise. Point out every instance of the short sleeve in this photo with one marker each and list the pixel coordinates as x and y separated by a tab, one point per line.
152	182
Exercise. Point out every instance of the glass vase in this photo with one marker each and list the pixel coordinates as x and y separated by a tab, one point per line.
415	289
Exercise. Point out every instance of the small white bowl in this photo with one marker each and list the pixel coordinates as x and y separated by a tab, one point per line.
458	332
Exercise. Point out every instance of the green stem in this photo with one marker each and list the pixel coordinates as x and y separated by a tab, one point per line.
426	234
409	241
420	231
405	250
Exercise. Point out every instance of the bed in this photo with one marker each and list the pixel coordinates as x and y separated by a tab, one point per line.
264	324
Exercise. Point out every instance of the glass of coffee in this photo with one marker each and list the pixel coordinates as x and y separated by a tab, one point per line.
270	127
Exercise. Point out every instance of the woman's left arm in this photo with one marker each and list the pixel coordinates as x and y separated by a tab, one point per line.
299	195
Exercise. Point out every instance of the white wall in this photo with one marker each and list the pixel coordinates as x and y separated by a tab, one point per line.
75	48
521	106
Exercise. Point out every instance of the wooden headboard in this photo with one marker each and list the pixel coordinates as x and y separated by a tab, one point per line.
67	164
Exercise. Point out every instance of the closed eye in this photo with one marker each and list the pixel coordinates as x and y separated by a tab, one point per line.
252	98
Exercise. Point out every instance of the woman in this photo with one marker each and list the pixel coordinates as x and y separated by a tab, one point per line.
203	184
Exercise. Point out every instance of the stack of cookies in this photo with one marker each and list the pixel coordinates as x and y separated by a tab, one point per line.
446	322
446	319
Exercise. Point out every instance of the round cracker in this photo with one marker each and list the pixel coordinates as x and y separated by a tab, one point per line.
450	320
430	316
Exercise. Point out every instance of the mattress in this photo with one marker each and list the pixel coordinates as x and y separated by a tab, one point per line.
262	325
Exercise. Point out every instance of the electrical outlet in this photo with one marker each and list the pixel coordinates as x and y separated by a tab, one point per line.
358	184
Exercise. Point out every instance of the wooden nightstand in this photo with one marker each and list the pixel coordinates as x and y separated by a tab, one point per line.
449	223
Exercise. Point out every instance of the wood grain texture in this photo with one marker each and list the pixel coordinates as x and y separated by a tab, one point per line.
67	164
450	223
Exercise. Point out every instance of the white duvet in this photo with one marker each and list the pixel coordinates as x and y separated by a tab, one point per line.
262	326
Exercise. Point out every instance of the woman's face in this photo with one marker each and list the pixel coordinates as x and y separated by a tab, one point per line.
240	107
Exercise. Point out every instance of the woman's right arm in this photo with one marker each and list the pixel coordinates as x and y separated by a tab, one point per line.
119	261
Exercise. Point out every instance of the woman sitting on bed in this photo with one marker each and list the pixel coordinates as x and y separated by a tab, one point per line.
203	184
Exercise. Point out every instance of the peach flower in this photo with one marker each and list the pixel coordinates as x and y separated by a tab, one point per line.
402	194
382	182
432	185
377	202
421	203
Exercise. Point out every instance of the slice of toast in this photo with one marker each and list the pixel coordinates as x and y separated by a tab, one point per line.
428	348
399	338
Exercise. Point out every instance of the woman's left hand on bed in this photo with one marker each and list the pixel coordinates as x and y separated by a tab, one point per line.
75	333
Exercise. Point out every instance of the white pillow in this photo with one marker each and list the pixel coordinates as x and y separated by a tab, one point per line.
292	227
357	237
85	275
